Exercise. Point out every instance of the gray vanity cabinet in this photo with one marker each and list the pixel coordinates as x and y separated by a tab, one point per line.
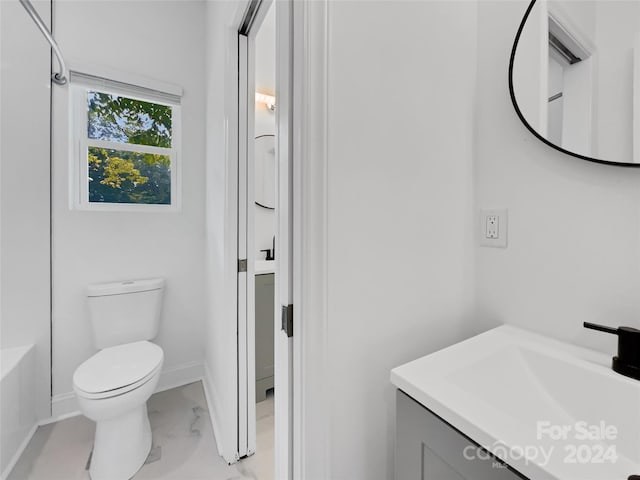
427	448
264	334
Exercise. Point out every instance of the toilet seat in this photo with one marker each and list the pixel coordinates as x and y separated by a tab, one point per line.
117	370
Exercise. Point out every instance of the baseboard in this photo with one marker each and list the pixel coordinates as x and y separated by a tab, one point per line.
65	405
180	375
16	456
214	415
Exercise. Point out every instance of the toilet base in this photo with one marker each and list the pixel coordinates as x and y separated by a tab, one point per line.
121	445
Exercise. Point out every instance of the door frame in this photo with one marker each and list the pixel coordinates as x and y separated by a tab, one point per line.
302	30
246	290
310	93
255	13
283	346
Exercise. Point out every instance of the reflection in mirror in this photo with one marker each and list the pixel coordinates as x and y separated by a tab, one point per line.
575	77
265	171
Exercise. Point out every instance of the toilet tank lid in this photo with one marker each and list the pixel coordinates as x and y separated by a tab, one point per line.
127	286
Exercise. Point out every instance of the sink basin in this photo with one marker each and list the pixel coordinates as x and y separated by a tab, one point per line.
549	409
264	266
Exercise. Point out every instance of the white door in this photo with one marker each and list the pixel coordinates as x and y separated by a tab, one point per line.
246	256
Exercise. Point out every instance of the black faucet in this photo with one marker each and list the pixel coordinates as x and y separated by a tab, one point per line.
271	252
627	362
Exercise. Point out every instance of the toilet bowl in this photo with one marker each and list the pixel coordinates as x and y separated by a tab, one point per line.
112	388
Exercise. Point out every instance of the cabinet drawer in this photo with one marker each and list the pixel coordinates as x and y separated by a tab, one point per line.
427	448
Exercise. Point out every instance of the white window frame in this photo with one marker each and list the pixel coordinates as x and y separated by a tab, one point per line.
80	142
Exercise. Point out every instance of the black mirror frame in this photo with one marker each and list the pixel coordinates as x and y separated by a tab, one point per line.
256	202
524	120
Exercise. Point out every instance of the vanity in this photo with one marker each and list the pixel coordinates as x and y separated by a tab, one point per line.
265	304
427	447
510	404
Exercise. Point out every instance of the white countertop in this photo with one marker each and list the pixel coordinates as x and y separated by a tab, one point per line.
499	388
262	267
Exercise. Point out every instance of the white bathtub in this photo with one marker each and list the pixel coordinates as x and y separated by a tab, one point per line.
18	418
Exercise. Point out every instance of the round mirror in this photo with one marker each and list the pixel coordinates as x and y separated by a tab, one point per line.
574	77
265	171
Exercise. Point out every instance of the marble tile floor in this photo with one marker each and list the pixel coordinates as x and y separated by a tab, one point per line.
181	427
261	463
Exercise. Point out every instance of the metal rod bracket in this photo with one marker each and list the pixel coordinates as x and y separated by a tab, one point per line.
59	78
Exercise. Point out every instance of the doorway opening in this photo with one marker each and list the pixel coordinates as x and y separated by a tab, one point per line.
264	241
570	89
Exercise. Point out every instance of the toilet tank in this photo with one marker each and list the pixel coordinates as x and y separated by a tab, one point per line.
125	312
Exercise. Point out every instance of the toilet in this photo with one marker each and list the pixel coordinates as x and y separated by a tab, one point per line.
113	386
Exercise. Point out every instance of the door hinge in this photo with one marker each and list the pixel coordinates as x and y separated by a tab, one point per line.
242	265
287	320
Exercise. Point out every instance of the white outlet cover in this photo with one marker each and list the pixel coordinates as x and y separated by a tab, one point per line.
503	227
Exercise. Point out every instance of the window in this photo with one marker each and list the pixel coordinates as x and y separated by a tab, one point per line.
126	146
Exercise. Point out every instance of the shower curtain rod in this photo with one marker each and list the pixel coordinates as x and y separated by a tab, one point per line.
61	77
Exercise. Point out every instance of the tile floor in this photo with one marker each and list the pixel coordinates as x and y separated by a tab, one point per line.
260	465
181	427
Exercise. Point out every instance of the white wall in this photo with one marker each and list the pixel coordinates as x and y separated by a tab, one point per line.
617	25
530	68
24	190
574	226
400	264
162	40
579	17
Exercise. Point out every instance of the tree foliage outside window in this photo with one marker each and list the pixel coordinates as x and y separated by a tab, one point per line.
119	176
126	176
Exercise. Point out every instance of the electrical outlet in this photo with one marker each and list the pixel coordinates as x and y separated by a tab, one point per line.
493	228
